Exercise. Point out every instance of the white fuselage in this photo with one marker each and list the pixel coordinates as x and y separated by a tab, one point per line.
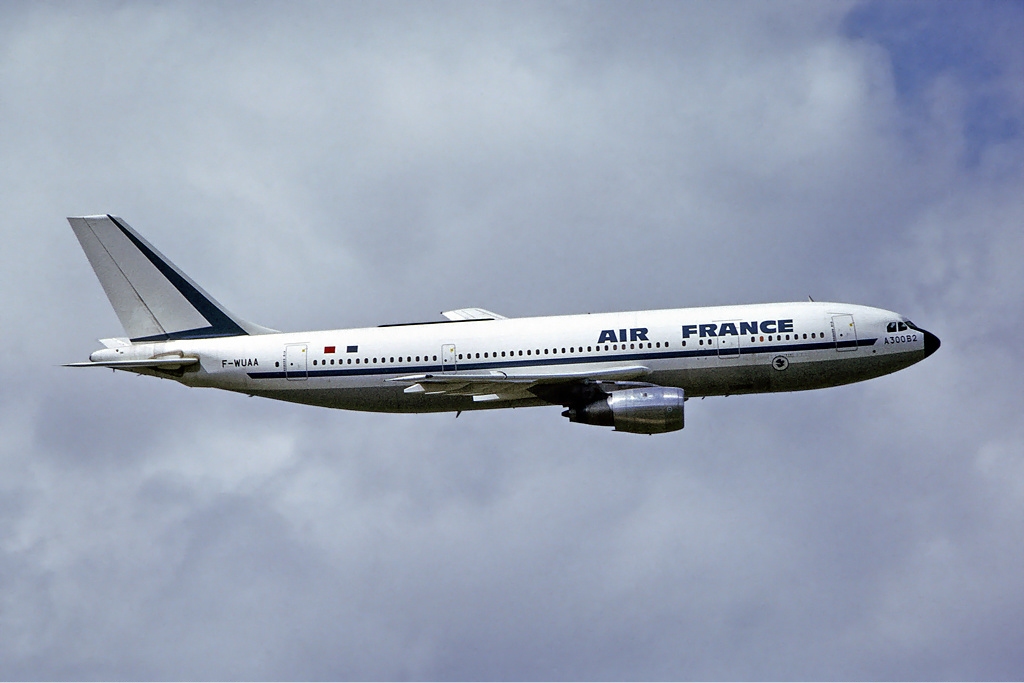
705	351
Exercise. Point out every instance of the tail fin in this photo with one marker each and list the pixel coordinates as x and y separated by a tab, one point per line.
153	299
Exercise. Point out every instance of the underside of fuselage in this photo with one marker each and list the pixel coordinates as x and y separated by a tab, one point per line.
719	378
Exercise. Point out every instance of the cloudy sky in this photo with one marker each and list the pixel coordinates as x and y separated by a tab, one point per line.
333	165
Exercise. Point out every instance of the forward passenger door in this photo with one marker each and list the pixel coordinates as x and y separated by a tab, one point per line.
844	333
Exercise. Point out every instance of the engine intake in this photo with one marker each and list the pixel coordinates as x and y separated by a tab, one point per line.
648	410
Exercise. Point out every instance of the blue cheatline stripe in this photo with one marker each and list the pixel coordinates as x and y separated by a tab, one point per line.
541	362
197	333
221	325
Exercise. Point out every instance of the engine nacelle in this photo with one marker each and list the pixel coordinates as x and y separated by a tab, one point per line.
647	410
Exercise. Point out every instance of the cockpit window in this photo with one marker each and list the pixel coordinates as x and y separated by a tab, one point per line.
898	327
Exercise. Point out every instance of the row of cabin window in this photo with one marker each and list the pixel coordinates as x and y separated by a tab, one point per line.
529	352
572	349
366	361
777	337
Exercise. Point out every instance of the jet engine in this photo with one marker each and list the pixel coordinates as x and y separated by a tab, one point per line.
647	410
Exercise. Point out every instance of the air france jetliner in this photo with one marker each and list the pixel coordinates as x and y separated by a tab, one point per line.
630	371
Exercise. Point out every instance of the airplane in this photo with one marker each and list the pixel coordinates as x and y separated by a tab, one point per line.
631	371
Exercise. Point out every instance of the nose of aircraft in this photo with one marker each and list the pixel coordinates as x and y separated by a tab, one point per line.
931	344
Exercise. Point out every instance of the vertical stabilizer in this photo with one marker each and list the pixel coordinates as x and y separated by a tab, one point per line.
152	298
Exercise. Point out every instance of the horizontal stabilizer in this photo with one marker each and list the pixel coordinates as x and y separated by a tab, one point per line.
472	314
170	363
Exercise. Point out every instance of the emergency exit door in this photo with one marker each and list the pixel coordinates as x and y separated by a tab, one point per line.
728	346
448	358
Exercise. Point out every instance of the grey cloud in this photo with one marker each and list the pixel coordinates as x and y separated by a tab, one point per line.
350	165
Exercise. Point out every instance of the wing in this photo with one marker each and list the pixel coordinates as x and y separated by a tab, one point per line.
556	387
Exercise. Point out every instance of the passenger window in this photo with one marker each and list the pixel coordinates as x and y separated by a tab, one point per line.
277	364
357	361
435	357
502	354
527	352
